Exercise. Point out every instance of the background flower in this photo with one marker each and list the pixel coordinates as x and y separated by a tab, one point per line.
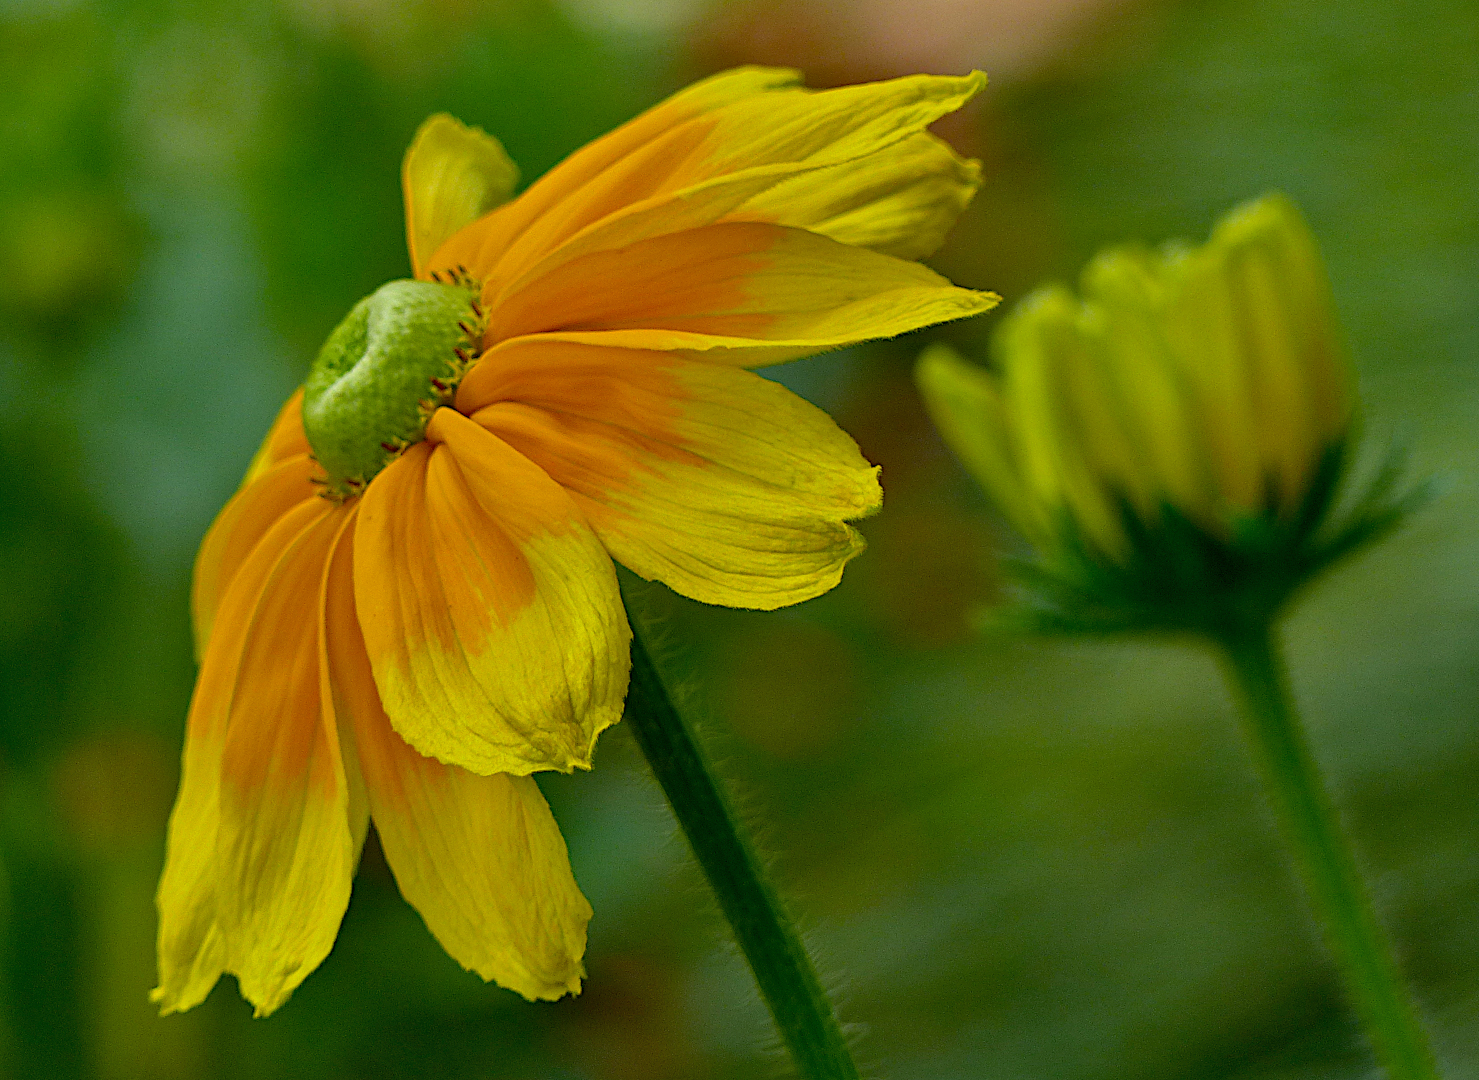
1178	446
1205	380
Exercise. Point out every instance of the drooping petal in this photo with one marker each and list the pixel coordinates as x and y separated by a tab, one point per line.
285	848
722	163
242	522
489	608
901	201
480	857
192	949
479	248
821	127
284	439
745	293
708	165
452	174
724	485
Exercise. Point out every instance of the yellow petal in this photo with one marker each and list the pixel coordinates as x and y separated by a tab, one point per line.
480	247
1201	325
192	951
1046	347
480	857
1305	290
725	486
1286	327
822	127
900	201
745	293
700	168
452	175
489	608
1145	384
285	849
691	208
965	402
1112	448
1100	393
242	522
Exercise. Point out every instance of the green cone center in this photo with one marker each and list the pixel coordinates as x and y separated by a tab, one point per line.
397	354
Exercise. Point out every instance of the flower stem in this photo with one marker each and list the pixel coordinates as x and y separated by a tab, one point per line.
769	941
1312	830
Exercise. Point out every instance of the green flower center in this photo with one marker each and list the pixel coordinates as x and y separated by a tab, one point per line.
397	356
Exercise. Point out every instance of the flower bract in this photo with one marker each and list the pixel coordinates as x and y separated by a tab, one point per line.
410	605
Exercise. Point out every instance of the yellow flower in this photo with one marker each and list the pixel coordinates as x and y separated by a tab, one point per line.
563	385
1175	434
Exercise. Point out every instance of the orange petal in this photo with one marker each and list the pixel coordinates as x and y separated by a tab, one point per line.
192	951
272	492
284	439
489	608
479	247
699	156
480	857
757	293
724	485
285	848
852	163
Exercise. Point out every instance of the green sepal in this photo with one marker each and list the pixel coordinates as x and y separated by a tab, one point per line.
1180	577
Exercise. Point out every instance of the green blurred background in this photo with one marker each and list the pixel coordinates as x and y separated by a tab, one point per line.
1015	859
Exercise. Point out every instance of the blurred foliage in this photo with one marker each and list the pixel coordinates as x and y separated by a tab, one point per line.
1016	858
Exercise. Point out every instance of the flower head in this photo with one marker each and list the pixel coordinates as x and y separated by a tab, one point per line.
410	605
1172	443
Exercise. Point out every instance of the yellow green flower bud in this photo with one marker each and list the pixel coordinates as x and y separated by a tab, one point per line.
1172	441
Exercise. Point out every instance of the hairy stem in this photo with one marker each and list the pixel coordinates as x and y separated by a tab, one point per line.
1312	830
765	934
